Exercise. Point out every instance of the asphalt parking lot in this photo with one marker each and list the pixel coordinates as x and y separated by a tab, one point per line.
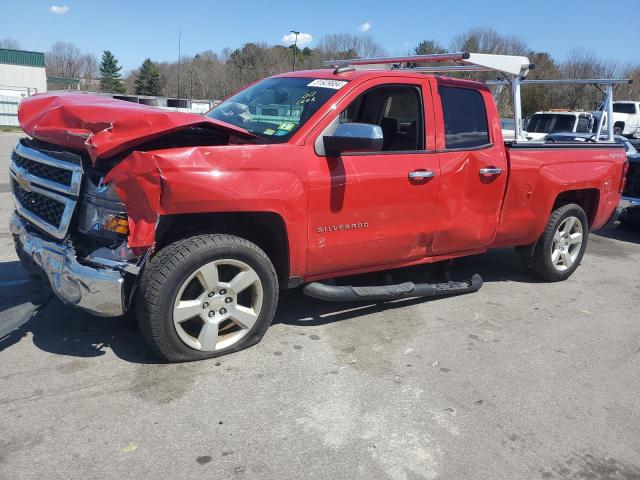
521	380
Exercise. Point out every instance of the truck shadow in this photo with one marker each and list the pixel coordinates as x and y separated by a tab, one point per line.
501	265
629	234
56	328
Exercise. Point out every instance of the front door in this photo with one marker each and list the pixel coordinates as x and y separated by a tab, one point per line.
371	209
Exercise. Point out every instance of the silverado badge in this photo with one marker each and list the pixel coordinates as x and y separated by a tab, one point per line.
22	181
347	226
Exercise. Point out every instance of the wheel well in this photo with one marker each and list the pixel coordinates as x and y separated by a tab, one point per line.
265	229
587	198
619	124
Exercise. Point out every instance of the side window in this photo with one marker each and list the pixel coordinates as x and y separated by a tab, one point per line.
465	118
397	109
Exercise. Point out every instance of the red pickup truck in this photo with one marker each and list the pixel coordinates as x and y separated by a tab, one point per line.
199	221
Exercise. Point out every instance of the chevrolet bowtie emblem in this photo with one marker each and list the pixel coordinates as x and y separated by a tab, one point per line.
22	181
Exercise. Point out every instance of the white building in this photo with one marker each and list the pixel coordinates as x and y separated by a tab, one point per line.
22	73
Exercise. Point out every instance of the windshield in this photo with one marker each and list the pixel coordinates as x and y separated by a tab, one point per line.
550	122
276	107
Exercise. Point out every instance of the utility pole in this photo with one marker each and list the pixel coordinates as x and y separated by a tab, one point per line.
179	59
295	47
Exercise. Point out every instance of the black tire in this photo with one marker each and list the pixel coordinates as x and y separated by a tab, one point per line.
541	262
172	266
617	130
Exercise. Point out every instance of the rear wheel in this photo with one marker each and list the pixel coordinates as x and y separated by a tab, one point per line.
561	247
206	296
617	130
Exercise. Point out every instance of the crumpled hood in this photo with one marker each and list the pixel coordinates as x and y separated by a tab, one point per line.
101	125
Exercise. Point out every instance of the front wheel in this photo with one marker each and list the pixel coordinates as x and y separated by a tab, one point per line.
561	247
206	296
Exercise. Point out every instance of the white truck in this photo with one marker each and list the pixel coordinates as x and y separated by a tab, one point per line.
626	118
543	123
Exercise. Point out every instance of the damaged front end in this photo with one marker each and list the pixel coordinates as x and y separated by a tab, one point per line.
65	229
87	191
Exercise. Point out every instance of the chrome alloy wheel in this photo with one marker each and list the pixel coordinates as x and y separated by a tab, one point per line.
217	305
567	242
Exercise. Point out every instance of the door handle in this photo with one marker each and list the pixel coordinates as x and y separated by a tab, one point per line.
419	174
490	171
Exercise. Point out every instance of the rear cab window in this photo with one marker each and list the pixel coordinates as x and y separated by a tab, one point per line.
624	108
465	118
551	123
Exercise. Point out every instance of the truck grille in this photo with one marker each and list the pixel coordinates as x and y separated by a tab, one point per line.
46	208
46	186
42	170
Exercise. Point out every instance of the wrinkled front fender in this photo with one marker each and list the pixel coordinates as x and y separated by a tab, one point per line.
247	178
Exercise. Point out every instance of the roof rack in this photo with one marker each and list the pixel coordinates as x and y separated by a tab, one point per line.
608	84
464	61
513	68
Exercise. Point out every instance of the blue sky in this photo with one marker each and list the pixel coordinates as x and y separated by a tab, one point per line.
135	30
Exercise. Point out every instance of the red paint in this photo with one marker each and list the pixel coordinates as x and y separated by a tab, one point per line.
101	125
137	183
456	213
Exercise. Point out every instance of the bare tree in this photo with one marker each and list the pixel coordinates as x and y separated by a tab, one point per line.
9	43
63	60
582	63
66	60
346	45
89	71
488	40
629	92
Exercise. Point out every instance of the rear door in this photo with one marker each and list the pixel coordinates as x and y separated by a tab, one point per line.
368	209
473	167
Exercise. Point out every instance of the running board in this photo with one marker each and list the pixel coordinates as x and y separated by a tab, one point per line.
333	293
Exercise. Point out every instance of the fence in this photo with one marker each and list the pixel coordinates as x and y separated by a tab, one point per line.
9	111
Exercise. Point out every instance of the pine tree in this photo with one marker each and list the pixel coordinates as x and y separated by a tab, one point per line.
148	79
110	74
428	47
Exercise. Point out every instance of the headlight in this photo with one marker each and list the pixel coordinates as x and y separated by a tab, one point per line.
101	212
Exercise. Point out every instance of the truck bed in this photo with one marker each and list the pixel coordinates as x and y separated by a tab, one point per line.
539	173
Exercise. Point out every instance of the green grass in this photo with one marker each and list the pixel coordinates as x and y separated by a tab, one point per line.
8	129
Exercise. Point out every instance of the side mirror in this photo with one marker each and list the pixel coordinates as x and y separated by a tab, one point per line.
354	137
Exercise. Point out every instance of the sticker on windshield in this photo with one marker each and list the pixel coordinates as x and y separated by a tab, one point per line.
269	131
307	97
323	83
287	126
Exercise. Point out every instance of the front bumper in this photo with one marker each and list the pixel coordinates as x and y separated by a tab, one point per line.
99	290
